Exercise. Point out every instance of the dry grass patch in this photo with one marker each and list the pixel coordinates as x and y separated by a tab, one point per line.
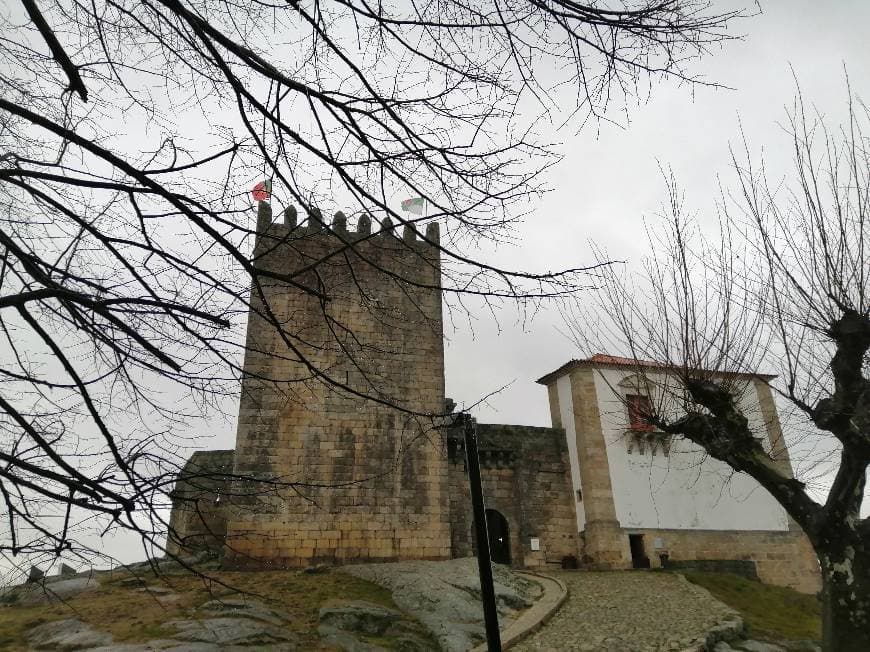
131	615
770	612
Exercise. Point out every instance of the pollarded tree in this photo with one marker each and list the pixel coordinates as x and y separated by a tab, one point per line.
783	288
130	133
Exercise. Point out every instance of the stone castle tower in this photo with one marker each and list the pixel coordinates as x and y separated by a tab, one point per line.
360	314
323	474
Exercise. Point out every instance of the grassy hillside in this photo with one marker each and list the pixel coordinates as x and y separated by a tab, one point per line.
770	612
121	608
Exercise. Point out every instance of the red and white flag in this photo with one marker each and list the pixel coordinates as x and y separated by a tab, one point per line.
262	191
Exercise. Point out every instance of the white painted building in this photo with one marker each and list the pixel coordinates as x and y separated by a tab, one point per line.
643	498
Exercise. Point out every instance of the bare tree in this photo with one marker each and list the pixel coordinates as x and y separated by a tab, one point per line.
783	288
130	133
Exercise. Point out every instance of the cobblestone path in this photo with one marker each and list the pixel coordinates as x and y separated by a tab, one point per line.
626	611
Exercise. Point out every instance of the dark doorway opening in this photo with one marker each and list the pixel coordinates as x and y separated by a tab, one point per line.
638	553
499	537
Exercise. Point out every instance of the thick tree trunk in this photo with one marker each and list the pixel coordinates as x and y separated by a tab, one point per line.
846	597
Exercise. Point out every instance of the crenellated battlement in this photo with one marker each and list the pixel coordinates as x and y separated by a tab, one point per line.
291	227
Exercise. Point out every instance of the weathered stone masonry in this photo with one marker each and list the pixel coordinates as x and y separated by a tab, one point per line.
371	481
389	474
320	474
198	518
524	476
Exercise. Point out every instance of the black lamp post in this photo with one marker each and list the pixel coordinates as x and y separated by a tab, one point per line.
487	591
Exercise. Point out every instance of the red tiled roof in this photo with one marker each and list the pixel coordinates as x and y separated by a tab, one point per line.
605	360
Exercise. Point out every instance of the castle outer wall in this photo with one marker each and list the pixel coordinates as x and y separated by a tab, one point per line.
199	517
524	473
340	477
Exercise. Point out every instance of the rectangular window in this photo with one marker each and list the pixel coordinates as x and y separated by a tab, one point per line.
639	410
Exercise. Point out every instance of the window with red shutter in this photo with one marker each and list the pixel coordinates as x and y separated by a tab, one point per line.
639	409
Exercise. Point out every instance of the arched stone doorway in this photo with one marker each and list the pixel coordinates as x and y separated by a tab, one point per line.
499	537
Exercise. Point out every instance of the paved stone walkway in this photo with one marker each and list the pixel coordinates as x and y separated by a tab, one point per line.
626	612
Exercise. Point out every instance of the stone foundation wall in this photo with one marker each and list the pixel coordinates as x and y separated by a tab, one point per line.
605	546
524	472
742	567
781	558
340	477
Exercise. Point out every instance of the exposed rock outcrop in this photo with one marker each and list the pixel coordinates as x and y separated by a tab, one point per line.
66	634
445	596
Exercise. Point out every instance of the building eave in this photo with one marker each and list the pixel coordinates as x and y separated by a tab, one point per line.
612	362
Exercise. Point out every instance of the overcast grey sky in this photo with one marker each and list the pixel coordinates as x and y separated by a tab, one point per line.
609	181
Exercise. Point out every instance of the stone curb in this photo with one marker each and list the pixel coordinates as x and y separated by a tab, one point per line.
554	596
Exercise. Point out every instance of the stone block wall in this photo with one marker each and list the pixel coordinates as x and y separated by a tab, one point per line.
781	558
743	567
524	472
199	500
340	477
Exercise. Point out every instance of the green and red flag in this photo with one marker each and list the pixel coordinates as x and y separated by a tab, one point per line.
414	205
